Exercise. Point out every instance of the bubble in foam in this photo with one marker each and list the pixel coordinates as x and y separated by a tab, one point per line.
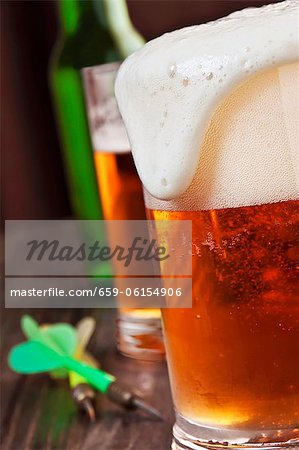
185	81
209	76
172	70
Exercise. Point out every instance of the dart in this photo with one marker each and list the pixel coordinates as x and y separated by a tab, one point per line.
36	357
68	340
83	394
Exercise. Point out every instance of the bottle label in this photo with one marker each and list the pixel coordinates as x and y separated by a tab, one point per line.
108	132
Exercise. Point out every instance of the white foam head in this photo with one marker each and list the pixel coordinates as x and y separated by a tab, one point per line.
212	111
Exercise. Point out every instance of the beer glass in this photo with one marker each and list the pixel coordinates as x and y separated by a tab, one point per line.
233	368
139	333
233	357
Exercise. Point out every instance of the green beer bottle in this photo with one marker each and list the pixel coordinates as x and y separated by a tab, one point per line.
92	32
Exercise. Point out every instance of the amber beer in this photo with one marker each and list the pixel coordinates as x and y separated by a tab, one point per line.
119	186
122	199
234	355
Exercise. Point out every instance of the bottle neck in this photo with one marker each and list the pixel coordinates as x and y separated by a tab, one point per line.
110	16
126	37
71	13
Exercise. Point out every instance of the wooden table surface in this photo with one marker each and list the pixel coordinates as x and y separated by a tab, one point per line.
38	413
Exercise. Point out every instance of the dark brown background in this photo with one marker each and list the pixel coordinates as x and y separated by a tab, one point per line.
33	184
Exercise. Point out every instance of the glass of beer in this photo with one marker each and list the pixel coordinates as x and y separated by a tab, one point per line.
217	144
139	333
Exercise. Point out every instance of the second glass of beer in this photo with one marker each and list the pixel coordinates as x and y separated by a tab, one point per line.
139	333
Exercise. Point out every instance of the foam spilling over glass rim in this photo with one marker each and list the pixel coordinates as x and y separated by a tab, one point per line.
212	111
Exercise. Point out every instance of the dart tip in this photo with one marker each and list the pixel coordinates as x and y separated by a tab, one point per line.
88	408
127	399
84	395
153	412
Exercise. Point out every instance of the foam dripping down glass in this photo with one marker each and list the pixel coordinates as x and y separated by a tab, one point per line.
232	357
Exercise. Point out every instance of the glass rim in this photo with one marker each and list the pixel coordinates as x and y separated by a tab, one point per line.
100	69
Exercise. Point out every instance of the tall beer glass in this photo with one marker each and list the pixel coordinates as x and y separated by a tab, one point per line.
233	357
139	333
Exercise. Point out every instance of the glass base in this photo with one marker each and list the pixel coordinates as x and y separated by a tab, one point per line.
140	337
188	435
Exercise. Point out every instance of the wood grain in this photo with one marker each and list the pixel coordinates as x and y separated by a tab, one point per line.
39	414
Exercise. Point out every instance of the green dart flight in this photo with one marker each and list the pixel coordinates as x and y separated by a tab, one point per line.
35	357
45	355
